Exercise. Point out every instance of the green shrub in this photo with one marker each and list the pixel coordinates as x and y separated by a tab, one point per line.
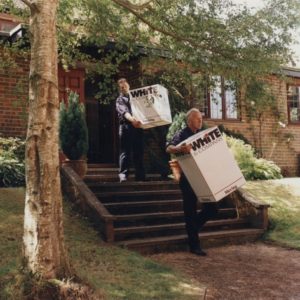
233	133
73	132
253	168
12	162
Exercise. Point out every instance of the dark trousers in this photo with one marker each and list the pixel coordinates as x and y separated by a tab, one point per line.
193	220
131	142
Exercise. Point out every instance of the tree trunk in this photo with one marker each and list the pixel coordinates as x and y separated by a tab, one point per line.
43	241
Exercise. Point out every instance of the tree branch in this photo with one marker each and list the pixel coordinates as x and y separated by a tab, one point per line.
130	7
30	4
128	4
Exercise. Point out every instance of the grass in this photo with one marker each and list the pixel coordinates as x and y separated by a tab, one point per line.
284	214
122	274
119	273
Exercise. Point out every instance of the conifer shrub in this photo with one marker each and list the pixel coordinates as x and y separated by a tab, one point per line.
73	132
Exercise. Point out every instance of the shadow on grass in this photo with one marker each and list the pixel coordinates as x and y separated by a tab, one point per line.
121	274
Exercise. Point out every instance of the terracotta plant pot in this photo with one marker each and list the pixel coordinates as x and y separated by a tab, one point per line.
62	157
79	166
176	170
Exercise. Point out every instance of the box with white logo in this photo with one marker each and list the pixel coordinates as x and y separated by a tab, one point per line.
150	105
210	167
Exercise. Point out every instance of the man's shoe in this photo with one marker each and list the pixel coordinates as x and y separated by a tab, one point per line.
199	252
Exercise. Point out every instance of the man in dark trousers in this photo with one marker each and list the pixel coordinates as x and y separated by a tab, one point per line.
130	134
193	220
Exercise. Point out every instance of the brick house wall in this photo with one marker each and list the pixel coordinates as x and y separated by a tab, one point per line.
276	145
14	88
14	96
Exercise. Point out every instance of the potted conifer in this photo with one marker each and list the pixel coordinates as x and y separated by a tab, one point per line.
73	133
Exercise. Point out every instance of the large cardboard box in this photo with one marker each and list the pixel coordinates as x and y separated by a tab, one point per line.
150	105
210	167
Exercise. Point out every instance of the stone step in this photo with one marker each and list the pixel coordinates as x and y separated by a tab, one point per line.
133	232
179	242
156	218
132	186
102	166
113	177
102	171
134	207
117	196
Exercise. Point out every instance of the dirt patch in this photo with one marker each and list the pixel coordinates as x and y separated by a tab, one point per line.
251	271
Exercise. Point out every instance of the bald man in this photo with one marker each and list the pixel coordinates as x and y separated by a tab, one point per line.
193	220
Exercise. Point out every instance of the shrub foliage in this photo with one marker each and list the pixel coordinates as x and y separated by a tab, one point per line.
253	168
12	162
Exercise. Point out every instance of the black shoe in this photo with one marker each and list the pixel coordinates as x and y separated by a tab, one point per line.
199	252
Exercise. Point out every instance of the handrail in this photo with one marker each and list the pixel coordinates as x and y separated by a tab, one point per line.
91	200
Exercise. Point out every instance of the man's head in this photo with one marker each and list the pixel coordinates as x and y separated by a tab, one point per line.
123	86
194	119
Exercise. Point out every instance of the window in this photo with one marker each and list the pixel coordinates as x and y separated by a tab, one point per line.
293	99
220	101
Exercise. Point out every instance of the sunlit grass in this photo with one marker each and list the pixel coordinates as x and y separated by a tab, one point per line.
119	273
284	214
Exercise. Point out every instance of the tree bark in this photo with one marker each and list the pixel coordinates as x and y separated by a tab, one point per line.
43	241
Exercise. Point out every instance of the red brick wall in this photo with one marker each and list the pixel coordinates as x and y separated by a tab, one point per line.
275	144
14	92
14	97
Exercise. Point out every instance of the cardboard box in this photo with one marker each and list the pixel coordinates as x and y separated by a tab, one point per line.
210	167
150	105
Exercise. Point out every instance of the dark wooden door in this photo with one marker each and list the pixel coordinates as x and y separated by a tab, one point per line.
103	135
73	80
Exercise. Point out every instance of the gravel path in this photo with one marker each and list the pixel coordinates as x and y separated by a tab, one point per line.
251	271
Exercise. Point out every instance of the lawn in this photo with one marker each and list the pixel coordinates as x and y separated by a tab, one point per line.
284	214
121	274
118	273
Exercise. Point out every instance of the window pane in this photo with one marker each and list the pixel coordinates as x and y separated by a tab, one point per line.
230	101
216	99
294	103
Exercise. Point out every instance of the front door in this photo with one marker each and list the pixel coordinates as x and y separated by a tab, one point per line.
103	135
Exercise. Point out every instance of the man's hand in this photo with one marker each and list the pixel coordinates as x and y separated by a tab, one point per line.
135	123
184	148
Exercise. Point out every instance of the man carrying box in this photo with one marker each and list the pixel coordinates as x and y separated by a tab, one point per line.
130	135
193	220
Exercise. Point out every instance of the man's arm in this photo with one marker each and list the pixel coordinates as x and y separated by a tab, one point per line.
123	110
182	149
135	123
